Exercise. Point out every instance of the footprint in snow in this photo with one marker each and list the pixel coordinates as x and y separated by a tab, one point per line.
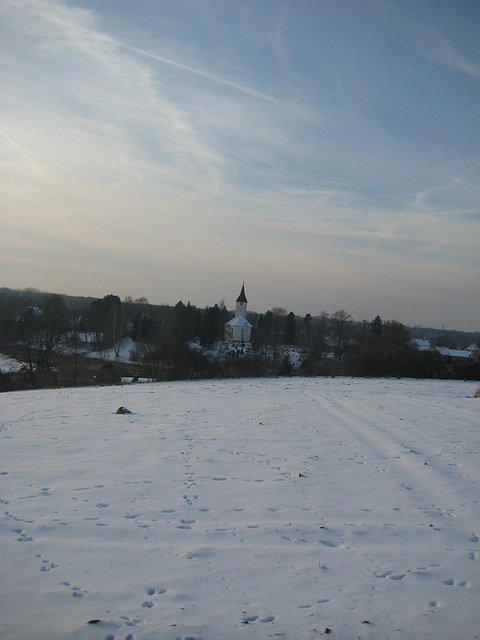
130	622
152	591
48	566
450	582
22	536
384	574
328	543
390	575
249	619
254	618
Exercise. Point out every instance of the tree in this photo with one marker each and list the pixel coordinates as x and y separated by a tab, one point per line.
306	332
42	333
187	321
290	329
261	335
445	340
75	342
314	334
213	325
397	335
270	334
376	326
389	350
104	320
340	322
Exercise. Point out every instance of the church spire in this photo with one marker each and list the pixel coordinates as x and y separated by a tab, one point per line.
242	297
241	306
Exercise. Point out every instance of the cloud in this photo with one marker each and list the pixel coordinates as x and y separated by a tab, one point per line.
152	156
110	104
440	50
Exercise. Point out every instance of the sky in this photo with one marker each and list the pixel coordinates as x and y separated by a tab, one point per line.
324	152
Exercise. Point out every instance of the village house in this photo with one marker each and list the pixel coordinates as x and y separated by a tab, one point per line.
456	354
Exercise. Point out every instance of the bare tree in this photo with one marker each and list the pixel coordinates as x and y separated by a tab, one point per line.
340	323
42	335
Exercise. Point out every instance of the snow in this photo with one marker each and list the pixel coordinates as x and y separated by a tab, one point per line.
241	509
9	364
127	345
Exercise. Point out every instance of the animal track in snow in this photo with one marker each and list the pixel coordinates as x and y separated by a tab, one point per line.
248	619
152	591
407	486
48	566
450	582
390	575
147	604
130	622
22	536
254	618
77	592
328	543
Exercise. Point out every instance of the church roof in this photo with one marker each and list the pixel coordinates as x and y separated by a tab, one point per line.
242	297
239	321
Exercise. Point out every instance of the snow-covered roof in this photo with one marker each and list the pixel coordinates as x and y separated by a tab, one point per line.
238	321
423	344
454	353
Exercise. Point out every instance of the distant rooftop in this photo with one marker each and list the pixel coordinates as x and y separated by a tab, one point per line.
239	321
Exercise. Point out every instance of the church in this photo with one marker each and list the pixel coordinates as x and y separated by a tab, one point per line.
239	329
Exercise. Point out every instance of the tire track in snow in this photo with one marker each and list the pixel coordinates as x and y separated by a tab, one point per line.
446	497
383	444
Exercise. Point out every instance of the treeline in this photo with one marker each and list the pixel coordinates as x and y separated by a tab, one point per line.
53	336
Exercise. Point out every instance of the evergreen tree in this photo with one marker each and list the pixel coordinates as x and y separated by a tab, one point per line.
290	329
212	328
376	326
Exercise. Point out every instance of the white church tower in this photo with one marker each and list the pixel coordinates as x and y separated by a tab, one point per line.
239	329
241	305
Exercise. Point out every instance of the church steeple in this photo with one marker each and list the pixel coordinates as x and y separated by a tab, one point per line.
241	306
238	329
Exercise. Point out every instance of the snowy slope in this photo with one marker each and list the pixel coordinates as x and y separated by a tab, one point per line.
241	509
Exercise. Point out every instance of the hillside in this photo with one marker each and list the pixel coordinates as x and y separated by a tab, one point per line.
241	509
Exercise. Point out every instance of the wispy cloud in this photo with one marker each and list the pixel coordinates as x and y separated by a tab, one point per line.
214	78
126	109
439	49
152	152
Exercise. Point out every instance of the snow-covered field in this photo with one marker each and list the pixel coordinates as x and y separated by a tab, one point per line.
239	509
